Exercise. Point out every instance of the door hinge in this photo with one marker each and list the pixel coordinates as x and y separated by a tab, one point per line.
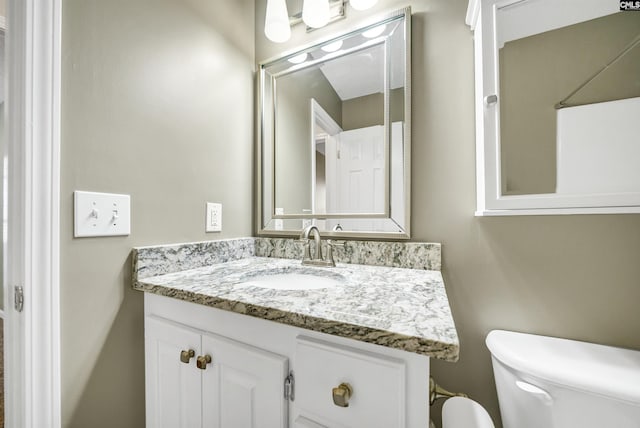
289	384
18	298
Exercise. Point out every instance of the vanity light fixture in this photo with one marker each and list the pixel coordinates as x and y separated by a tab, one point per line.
332	47
315	14
276	21
299	59
374	32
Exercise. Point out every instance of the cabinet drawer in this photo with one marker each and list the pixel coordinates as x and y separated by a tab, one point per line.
377	383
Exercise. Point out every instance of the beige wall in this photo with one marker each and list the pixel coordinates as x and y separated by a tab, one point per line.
144	113
157	102
569	276
368	110
2	150
2	143
539	71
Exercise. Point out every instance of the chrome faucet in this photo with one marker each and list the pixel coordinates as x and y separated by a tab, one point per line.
317	259
304	237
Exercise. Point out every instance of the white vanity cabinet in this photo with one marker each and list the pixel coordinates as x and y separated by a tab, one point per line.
198	379
246	382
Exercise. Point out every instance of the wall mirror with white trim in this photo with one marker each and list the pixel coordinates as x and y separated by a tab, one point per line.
335	134
557	106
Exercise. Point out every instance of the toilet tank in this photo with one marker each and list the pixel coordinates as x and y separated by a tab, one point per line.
560	383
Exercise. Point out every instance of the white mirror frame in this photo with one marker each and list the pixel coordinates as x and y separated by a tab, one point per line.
481	17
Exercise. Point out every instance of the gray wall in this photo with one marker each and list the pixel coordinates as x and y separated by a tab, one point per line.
539	71
569	276
158	103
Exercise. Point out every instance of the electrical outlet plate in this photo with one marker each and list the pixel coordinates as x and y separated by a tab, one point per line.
101	214
214	217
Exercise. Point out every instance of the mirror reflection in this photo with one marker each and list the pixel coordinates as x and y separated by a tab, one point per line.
569	104
334	133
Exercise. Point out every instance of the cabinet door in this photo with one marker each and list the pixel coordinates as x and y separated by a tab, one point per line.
173	387
243	387
377	386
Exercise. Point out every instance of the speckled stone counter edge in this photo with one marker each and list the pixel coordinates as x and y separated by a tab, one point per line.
432	348
162	259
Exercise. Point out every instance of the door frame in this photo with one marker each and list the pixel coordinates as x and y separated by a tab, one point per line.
32	381
319	116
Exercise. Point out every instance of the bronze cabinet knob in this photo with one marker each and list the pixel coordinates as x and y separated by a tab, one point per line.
186	355
341	394
202	361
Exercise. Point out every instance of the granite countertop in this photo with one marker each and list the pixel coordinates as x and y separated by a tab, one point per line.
390	306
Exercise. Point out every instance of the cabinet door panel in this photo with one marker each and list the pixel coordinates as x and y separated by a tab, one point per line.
172	387
243	386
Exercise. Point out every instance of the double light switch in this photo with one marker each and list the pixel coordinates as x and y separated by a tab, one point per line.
101	214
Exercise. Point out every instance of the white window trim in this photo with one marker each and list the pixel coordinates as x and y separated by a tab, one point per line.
33	144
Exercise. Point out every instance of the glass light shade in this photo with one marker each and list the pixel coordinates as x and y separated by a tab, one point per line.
316	13
332	47
362	4
375	31
276	21
299	59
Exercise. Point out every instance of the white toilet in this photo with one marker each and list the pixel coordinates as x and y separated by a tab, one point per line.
545	382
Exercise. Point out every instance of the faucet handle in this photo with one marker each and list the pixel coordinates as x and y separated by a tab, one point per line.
306	248
331	244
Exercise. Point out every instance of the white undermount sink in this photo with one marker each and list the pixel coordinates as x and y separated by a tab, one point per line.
290	280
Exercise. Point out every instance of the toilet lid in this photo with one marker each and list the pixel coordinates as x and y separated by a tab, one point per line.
460	412
592	368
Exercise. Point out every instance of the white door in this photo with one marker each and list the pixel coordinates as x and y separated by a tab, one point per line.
173	387
361	170
243	387
360	176
356	177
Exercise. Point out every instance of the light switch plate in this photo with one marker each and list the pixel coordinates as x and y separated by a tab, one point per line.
101	214
214	217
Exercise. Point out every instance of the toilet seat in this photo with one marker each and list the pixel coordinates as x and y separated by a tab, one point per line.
460	412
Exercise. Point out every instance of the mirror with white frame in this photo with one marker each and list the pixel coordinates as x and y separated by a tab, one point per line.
334	143
557	106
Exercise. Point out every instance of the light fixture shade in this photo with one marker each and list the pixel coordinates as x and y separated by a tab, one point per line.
299	59
375	31
276	21
315	13
362	4
332	47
